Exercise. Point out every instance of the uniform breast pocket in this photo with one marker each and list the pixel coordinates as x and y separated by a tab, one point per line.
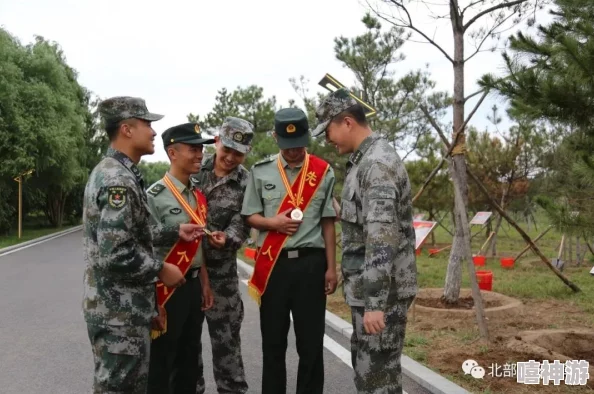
348	207
271	200
315	206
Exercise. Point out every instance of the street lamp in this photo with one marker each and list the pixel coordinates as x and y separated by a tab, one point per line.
19	179
330	83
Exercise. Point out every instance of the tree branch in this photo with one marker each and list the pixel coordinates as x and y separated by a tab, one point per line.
487	35
428	180
491	9
410	26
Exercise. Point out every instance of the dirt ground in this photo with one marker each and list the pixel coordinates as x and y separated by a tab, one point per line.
444	344
453	341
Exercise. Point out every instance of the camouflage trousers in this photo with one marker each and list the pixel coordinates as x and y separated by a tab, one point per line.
224	323
376	358
121	356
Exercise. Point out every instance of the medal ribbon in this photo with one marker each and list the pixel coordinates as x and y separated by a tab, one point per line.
198	218
296	201
182	253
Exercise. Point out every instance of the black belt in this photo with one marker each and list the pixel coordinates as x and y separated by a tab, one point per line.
299	252
193	273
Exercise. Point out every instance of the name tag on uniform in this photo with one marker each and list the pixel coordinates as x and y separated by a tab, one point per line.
293	254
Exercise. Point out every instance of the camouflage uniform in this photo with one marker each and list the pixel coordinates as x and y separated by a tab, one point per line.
378	262
225	196
120	275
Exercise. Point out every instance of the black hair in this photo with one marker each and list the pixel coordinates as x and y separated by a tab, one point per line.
356	112
112	128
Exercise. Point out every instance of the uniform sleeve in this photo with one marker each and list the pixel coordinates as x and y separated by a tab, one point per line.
252	201
237	232
328	207
119	253
379	196
162	235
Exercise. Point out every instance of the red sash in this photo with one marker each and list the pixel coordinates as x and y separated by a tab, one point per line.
274	241
182	253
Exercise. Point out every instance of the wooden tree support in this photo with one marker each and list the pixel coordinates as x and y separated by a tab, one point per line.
496	206
535	240
489	238
522	233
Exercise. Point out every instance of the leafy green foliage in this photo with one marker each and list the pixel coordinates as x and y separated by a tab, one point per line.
44	120
551	79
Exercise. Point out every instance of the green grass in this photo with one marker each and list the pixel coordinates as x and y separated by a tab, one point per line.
28	234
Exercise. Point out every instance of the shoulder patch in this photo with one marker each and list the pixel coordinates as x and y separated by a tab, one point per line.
265	160
117	196
155	190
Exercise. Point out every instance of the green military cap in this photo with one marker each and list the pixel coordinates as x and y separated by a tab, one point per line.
237	134
187	133
333	104
292	128
116	109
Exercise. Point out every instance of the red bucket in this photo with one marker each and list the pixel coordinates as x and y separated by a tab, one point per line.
485	280
479	260
418	251
507	262
250	253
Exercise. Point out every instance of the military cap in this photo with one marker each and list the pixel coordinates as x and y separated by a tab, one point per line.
187	133
332	105
119	108
237	134
292	128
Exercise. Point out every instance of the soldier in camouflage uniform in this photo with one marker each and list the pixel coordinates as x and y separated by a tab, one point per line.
223	179
378	242
120	275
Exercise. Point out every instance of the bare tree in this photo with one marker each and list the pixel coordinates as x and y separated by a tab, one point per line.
483	22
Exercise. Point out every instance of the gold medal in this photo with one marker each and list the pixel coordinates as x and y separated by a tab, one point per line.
297	214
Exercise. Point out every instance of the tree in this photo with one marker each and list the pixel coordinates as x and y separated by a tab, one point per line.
505	162
497	16
371	57
152	171
550	78
250	104
42	112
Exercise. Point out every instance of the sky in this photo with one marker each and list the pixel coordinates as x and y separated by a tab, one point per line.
177	54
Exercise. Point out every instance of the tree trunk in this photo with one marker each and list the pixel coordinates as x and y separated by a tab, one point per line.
56	202
499	220
461	242
578	251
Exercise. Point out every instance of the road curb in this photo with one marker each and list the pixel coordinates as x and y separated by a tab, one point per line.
39	240
426	378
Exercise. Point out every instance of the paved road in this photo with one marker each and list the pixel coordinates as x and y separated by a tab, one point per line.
44	347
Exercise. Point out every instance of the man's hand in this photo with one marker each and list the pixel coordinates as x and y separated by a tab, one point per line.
284	224
217	239
373	322
190	232
158	323
207	298
171	275
331	281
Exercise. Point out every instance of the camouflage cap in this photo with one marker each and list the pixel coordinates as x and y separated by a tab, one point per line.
237	134
116	109
332	105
